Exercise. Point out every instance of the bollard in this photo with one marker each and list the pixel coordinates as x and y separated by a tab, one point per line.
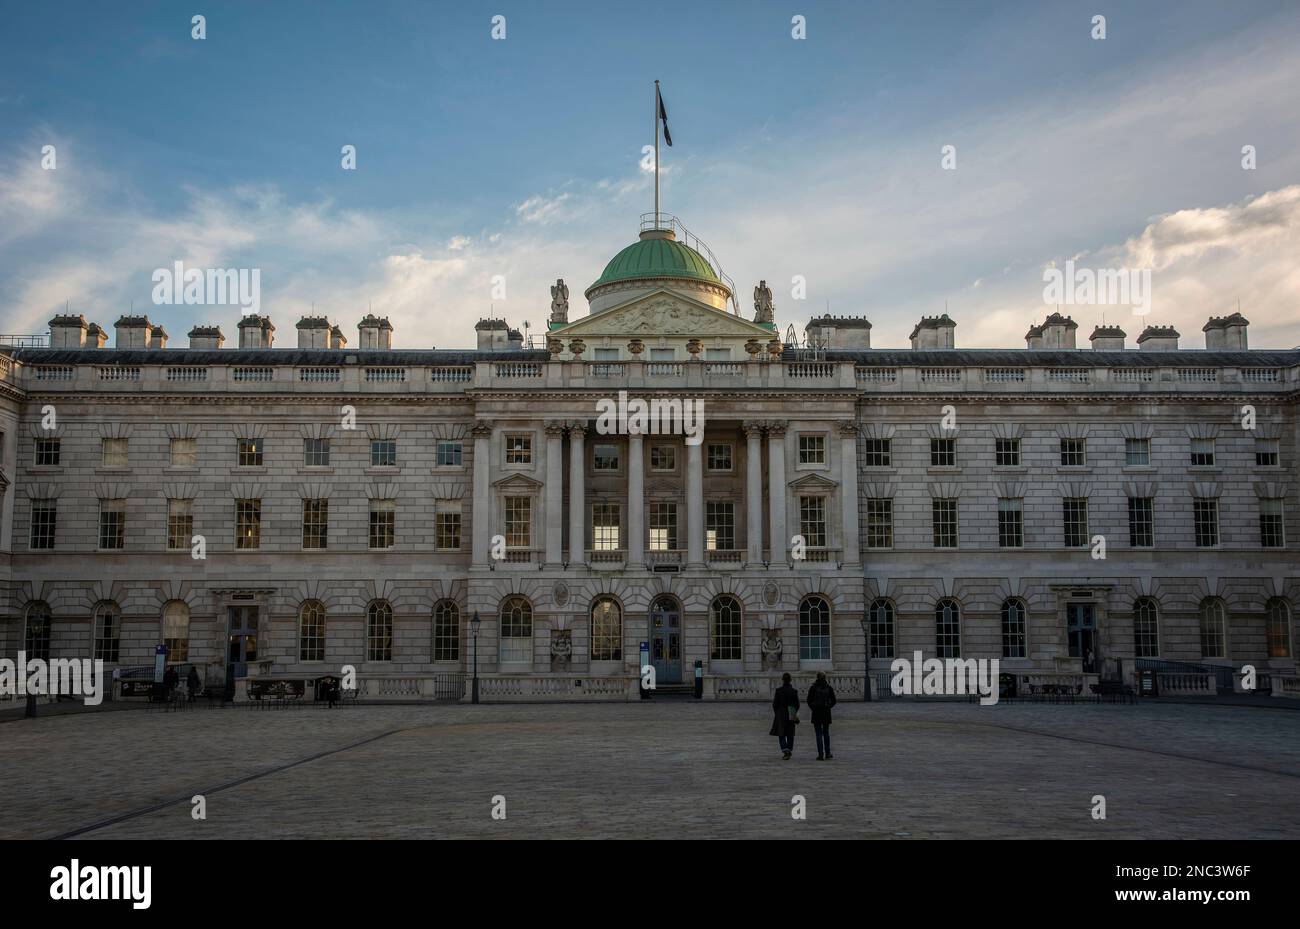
699	679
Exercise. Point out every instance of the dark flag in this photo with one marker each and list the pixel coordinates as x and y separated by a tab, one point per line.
663	115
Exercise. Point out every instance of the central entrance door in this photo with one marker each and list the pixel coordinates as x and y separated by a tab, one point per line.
1081	627
241	643
666	640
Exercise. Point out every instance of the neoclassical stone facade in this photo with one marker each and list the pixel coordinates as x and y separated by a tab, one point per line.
1065	510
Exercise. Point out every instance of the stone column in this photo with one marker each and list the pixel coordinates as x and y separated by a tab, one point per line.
554	494
753	494
635	502
695	505
779	542
851	528
482	534
577	503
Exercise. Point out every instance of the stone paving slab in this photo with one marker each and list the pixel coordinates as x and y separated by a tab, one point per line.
663	770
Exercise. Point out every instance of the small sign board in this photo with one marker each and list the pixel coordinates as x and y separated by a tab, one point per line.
159	663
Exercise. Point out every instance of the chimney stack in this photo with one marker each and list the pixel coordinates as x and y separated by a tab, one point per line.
934	332
1058	331
1226	333
847	332
157	337
337	338
1108	338
1034	337
313	332
493	335
68	332
95	336
376	332
1158	339
132	332
256	332
206	337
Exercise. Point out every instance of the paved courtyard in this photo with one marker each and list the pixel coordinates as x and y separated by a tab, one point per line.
661	770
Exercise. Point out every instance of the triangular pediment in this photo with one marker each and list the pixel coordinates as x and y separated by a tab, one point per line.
520	482
812	482
662	313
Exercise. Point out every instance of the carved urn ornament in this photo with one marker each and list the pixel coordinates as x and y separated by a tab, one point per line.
577	347
695	346
554	346
774	348
753	347
636	347
561	647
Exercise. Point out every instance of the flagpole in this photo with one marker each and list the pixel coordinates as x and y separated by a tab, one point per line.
656	154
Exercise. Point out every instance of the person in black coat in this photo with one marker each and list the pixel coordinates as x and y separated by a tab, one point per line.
821	697
785	715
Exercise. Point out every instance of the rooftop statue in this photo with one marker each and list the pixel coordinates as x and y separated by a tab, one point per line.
762	303
560	302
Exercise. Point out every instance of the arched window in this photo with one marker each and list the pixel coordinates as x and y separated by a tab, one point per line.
516	630
311	631
176	632
446	631
1146	631
725	628
36	634
1279	628
881	615
379	631
814	629
606	630
947	629
1013	629
108	631
1214	632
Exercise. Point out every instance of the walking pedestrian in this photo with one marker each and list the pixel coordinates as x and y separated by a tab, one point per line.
193	683
785	716
821	697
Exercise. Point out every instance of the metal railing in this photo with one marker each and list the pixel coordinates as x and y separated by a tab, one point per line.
651	221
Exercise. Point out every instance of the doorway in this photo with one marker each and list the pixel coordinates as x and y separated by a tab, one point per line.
241	643
666	640
1081	630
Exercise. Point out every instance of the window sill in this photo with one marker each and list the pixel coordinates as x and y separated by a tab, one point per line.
1010	469
316	469
119	470
44	469
383	469
1139	469
1073	469
943	469
248	469
1204	469
182	469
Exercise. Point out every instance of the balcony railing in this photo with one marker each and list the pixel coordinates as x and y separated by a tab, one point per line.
521	555
1132	375
187	373
876	375
606	369
660	557
1069	375
320	375
606	557
819	555
810	369
55	372
1262	375
664	369
385	375
1198	375
723	369
519	369
452	374
725	556
940	375
1004	375
253	374
119	373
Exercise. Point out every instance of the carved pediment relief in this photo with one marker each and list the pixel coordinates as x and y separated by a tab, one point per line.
663	313
520	482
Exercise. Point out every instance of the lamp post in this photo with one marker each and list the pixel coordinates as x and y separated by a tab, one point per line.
473	634
866	658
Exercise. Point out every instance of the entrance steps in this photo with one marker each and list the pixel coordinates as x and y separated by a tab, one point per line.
673	692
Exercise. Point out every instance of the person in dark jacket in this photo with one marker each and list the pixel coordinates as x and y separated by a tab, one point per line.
193	683
170	679
821	697
785	710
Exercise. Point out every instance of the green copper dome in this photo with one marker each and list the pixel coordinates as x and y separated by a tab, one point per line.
657	256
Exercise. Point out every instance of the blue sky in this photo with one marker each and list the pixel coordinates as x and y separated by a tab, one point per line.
520	157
